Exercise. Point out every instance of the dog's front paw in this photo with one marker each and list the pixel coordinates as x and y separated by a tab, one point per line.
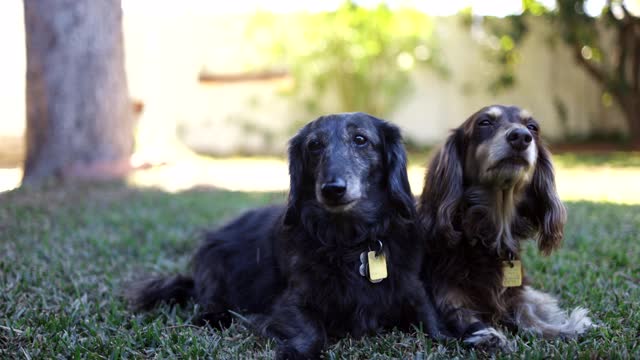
287	352
488	338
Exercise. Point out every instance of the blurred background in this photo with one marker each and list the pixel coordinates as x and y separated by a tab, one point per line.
212	90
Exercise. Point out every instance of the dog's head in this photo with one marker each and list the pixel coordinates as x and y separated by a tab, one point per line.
499	149
348	163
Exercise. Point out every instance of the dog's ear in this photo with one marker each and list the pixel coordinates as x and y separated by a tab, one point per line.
443	190
550	214
296	174
395	158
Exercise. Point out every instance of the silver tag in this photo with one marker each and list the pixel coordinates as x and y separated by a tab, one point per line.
363	270
363	265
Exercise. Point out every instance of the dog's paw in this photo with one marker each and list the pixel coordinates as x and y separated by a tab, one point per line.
287	352
488	338
217	320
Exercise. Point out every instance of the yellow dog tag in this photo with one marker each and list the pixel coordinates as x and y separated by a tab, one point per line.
377	267
511	273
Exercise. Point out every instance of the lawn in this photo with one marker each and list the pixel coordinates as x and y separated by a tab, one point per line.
65	254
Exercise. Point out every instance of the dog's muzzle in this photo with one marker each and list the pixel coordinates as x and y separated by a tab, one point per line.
336	196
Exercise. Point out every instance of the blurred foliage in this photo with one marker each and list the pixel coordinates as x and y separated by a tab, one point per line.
500	38
358	57
606	46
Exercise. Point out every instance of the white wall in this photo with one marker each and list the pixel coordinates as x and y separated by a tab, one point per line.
543	74
435	106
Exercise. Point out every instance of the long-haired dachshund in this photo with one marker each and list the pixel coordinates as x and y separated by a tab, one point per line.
342	257
489	188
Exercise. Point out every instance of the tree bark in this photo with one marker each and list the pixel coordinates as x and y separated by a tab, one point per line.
631	108
629	99
79	114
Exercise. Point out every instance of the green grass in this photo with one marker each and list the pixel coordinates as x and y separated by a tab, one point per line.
66	253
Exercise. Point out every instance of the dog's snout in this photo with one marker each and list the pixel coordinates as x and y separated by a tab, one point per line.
519	139
334	190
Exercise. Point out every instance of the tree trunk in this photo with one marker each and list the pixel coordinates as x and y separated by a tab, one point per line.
79	115
631	108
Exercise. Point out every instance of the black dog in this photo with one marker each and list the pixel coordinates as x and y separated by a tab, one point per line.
489	188
314	268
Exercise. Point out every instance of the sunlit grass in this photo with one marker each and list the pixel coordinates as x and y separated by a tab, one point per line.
236	174
587	178
611	177
609	159
599	184
10	178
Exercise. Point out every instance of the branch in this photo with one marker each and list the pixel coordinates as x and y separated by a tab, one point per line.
635	81
628	57
622	52
628	17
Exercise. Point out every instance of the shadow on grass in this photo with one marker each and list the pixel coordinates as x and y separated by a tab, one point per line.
67	251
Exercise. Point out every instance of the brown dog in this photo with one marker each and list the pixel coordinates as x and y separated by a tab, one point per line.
489	188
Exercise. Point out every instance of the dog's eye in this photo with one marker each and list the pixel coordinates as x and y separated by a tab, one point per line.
315	146
359	140
532	127
484	122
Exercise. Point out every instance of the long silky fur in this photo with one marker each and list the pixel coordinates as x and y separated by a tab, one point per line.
470	228
292	270
326	297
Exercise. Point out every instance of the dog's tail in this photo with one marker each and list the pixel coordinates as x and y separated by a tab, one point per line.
147	294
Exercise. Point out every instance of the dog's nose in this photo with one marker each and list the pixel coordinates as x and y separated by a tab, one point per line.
519	139
334	190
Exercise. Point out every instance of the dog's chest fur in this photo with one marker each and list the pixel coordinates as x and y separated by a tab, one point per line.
347	301
476	275
474	266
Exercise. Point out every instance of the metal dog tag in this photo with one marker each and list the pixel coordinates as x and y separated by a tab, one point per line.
377	267
511	273
363	264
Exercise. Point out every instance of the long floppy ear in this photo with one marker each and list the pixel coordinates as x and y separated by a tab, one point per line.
443	190
550	214
396	167
296	174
